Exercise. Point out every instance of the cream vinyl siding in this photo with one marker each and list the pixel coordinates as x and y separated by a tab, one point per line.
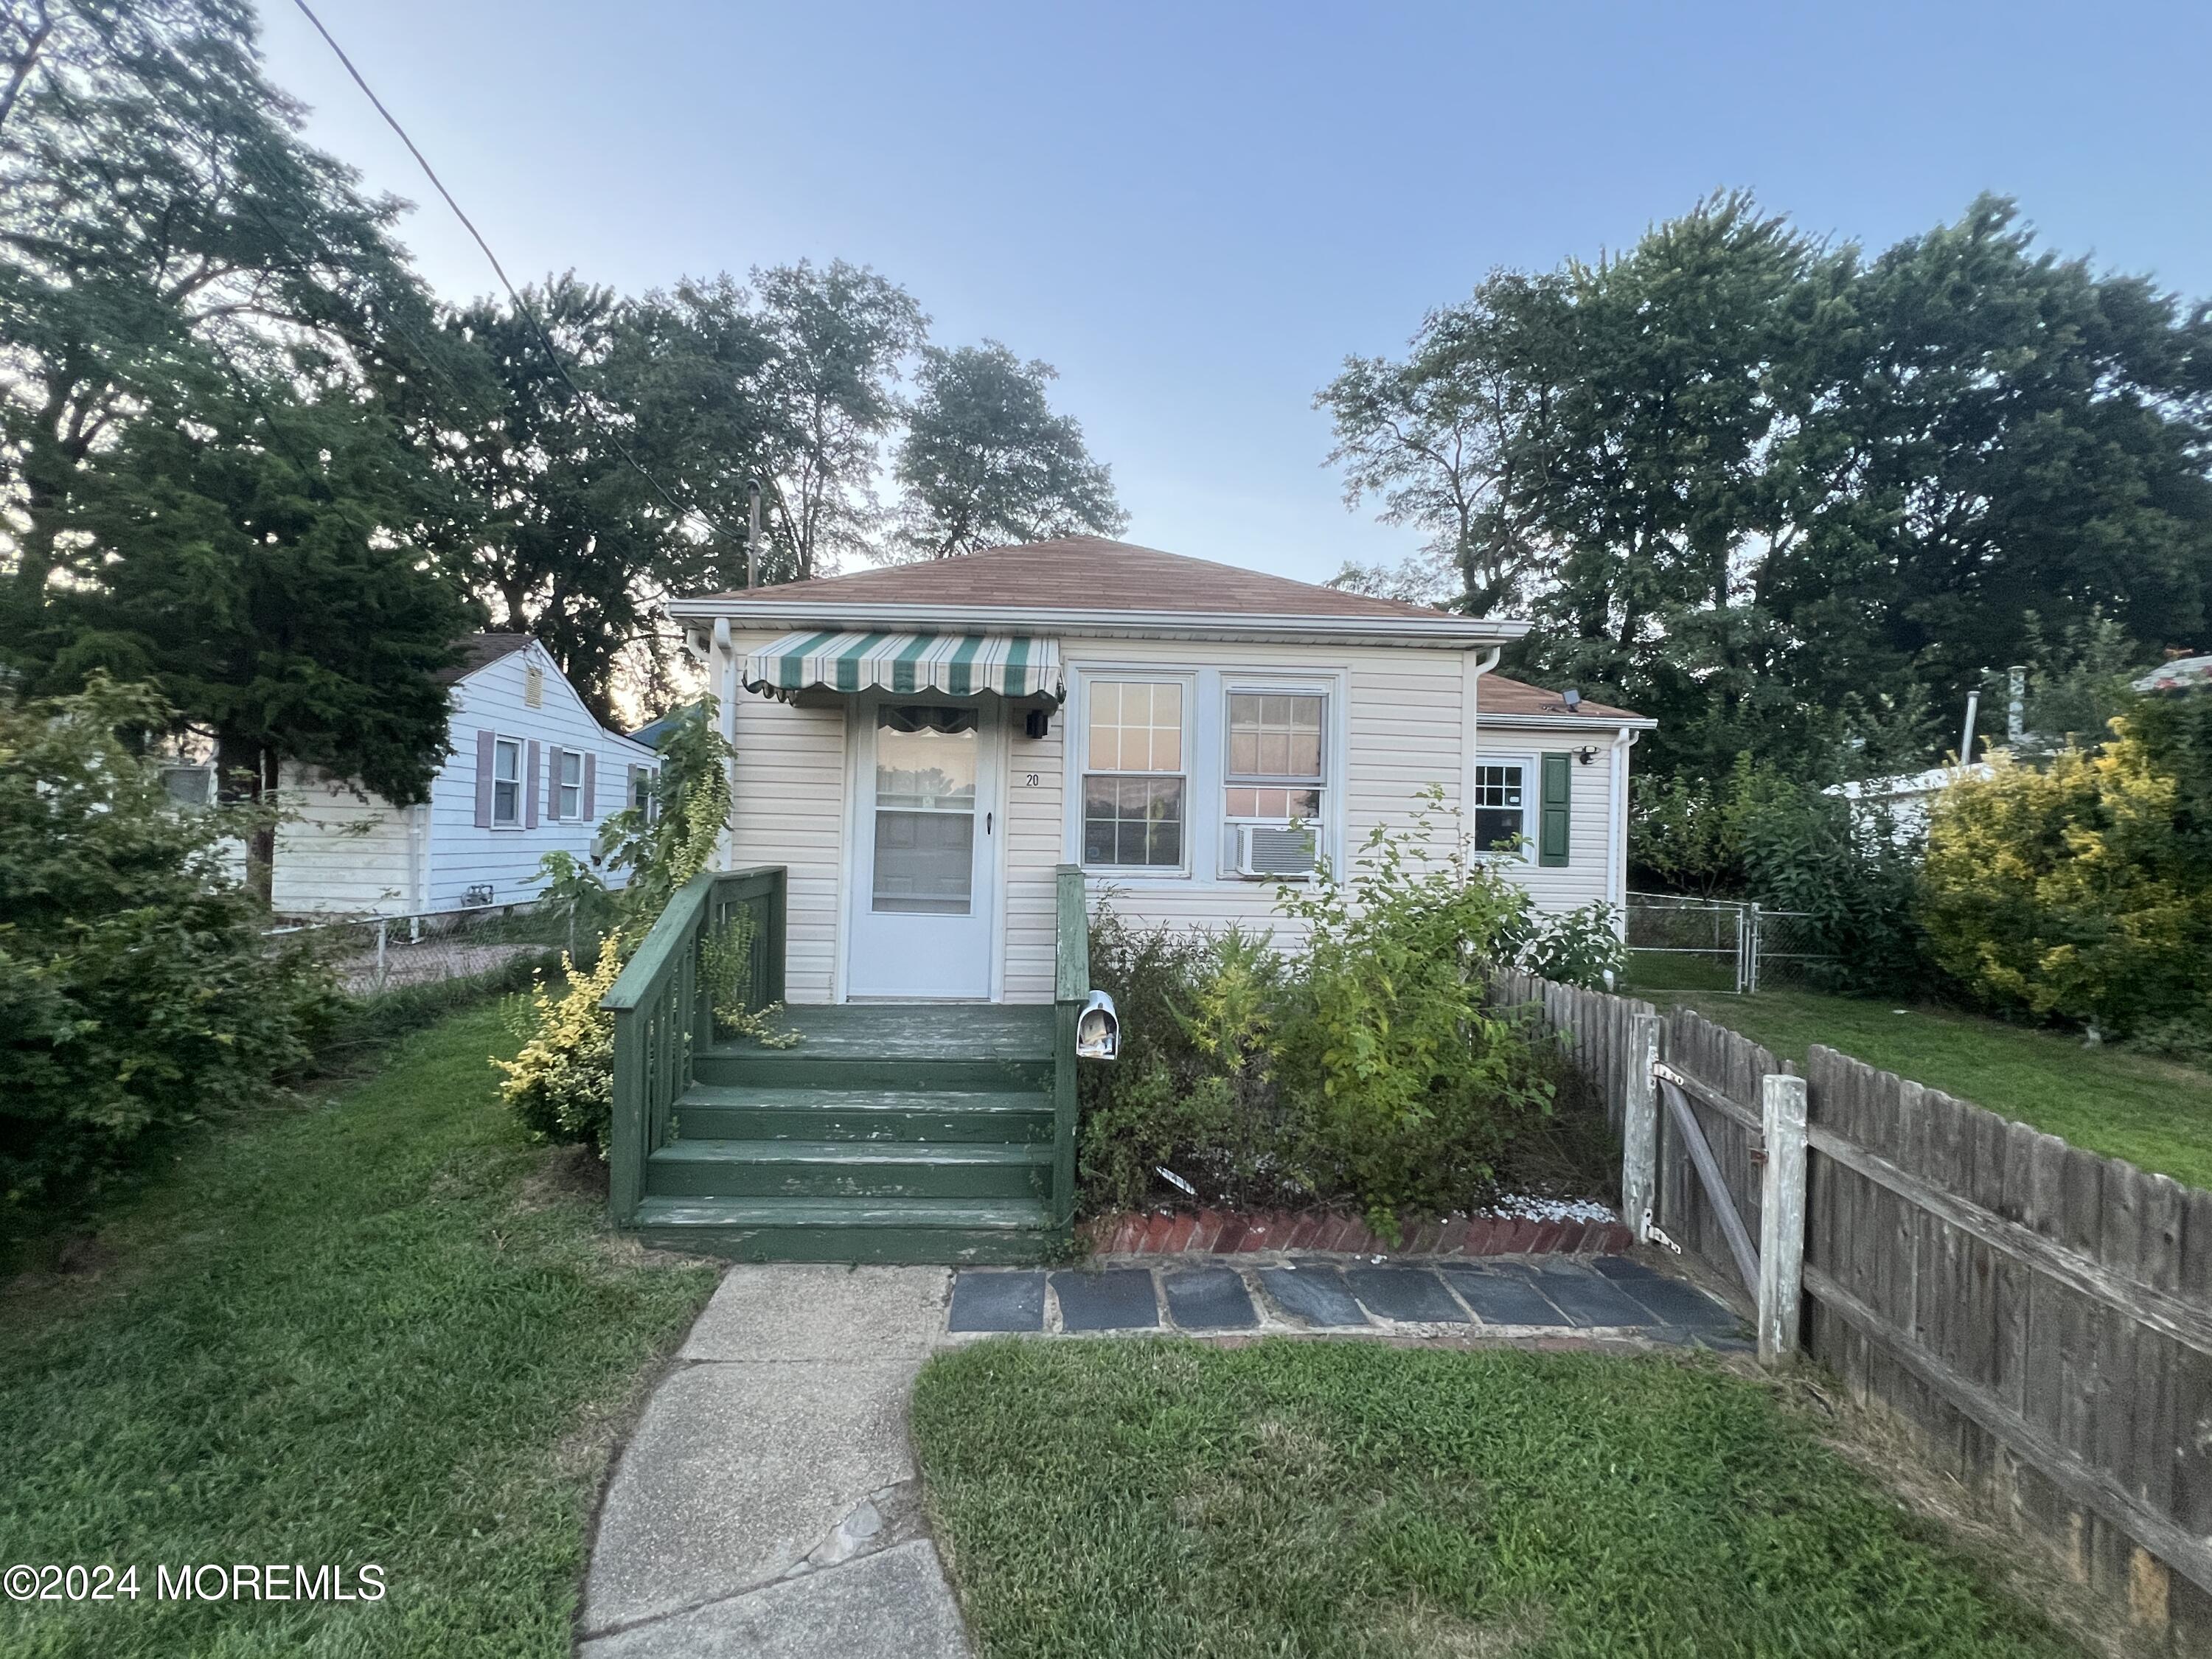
1394	723
1397	717
1589	876
789	784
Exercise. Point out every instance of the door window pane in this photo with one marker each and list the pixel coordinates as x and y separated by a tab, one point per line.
924	813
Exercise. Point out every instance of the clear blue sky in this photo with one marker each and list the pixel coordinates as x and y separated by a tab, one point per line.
1195	211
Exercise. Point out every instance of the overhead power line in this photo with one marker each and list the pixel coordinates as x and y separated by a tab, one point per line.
513	293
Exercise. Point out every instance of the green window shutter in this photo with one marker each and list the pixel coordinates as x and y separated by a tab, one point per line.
1557	819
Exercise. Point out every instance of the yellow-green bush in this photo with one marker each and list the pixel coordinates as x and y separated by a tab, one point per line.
2068	892
561	1086
561	1083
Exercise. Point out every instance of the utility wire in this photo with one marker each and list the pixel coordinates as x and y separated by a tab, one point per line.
513	293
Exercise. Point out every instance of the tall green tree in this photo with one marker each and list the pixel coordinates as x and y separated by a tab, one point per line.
197	485
838	336
1791	500
553	530
160	221
986	460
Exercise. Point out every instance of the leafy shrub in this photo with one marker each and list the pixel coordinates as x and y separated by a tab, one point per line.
138	993
561	1084
2073	891
1404	1086
1758	836
1190	1090
2187	1041
1363	1062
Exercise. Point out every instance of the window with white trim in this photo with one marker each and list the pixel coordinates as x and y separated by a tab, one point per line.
1276	760
569	783
507	783
1135	774
1501	808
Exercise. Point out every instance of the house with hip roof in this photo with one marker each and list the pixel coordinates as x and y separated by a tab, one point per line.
921	746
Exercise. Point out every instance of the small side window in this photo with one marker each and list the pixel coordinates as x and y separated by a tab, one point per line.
507	783
1501	808
568	799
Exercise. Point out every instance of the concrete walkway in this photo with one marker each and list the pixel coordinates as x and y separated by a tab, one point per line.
768	1505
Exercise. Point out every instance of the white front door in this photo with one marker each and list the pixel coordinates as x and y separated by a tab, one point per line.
925	891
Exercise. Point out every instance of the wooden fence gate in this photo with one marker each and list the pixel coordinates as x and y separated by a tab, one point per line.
2041	1315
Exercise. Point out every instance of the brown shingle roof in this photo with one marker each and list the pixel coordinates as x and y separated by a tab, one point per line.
1499	696
479	651
1088	572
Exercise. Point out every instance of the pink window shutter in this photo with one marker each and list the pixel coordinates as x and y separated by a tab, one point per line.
529	789
591	782
485	761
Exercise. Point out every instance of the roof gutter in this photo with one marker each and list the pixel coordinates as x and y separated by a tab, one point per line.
1448	632
1571	722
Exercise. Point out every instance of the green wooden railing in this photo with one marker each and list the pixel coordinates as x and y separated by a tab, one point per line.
1072	987
663	1014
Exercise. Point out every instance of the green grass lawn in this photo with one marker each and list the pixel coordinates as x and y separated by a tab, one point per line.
2155	1114
1102	1499
377	1328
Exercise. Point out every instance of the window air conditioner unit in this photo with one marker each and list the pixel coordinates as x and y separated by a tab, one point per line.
1279	851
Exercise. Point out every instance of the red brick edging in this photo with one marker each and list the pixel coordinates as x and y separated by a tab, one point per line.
1226	1232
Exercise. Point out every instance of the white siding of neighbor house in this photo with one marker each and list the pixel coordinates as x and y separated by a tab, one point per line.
340	852
1399	731
350	855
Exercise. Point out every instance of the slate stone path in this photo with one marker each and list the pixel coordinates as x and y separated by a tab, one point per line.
1560	1296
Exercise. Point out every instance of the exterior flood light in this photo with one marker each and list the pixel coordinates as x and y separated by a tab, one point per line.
1097	1029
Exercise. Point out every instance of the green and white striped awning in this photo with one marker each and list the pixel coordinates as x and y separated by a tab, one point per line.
957	664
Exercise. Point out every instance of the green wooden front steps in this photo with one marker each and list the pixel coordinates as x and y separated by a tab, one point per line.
894	1132
905	1132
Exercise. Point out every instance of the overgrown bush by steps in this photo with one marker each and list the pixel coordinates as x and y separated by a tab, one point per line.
561	1084
1360	1062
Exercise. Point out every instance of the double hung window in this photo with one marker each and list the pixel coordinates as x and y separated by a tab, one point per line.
1501	808
568	784
507	783
1275	772
1135	777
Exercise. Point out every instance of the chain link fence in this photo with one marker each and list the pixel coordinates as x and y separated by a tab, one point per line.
1719	947
373	955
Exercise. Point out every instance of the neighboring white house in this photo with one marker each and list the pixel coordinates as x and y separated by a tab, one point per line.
903	746
1907	799
529	772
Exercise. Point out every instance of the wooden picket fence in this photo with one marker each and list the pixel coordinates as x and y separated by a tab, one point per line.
2040	1315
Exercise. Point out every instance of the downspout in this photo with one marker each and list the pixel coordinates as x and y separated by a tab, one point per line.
1478	664
723	663
1617	875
